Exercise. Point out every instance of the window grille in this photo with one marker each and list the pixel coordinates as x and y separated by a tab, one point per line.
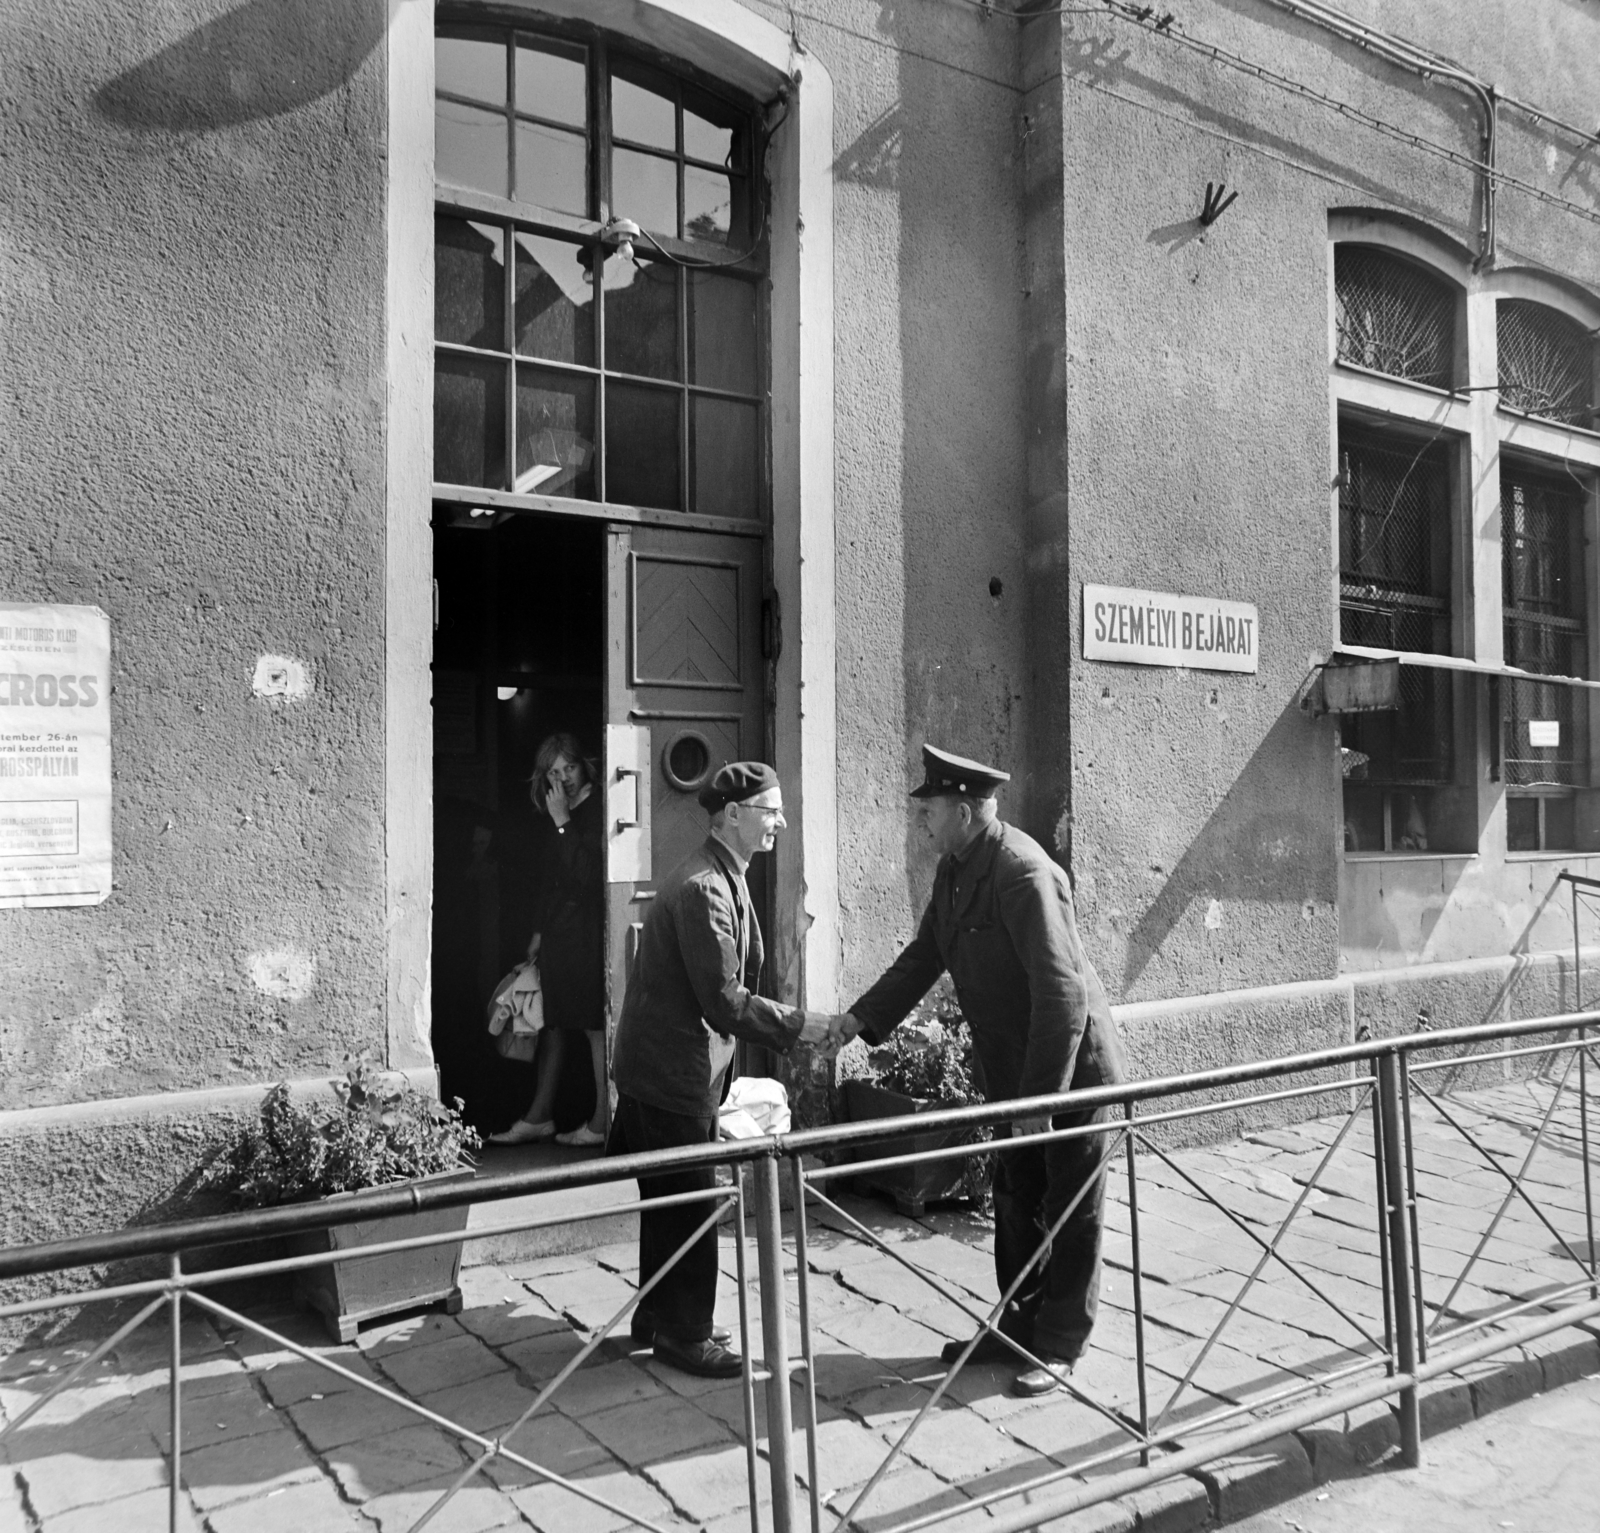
1546	630
1546	362
1394	593
1393	317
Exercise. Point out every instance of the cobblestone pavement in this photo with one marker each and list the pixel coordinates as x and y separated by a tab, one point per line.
272	1442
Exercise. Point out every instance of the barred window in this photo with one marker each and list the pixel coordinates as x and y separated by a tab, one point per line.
1546	362
1393	316
1394	593
1544	729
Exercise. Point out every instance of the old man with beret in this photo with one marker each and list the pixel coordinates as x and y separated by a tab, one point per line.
1001	922
691	993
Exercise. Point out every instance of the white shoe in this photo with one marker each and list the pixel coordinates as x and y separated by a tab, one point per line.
523	1132
582	1137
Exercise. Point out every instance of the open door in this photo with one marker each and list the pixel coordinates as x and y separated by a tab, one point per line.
685	694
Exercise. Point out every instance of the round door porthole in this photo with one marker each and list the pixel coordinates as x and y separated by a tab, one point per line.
686	760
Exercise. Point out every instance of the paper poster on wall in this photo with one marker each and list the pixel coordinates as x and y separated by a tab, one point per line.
1544	733
55	756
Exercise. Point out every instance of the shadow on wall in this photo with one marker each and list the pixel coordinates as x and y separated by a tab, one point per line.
266	58
1262	844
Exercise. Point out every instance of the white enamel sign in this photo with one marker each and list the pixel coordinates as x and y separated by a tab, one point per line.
1155	628
55	756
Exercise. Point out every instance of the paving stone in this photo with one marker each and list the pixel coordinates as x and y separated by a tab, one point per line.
1503	1380
708	1484
394	1461
429	1369
642	1433
543	1355
59	1481
240	1470
213	1418
476	1508
956	1447
297	1509
502	1325
483	1405
289	1382
1246	1482
13	1519
1106	1517
555	1509
103	1400
147	1511
590	1296
1565	1356
410	1331
905	1494
889	1337
598	1388
346	1418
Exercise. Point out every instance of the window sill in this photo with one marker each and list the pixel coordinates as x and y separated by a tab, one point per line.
1408	384
1568	856
1416	856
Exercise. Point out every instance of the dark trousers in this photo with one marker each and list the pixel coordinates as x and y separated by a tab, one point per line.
1054	1309
680	1306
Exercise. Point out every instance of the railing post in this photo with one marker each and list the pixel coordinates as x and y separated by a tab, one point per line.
1398	1219
175	1425
1583	1091
775	1341
1138	1285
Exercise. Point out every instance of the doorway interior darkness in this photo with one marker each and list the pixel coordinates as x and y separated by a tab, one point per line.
518	655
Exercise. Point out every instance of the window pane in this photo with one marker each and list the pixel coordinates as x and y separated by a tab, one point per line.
1522	824
1363	818
552	168
469	421
644	187
642	446
555	434
707	205
466	66
642	109
1560	827
641	318
470	147
722	332
722	465
469	288
712	130
553	82
554	300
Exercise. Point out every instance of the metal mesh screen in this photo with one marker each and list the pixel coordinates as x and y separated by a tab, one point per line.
1394	585
1541	539
1546	362
1393	317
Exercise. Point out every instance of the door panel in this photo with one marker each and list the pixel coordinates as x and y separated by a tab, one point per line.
684	669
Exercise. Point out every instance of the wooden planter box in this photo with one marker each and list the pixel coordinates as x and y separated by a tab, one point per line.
911	1187
347	1292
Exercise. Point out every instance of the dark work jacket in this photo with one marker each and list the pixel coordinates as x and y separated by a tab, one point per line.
1001	921
692	989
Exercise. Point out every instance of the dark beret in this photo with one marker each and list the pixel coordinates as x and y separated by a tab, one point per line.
736	782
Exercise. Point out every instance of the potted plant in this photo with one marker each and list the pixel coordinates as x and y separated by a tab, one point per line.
374	1133
926	1064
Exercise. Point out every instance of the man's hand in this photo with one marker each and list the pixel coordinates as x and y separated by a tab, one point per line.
534	943
841	1030
815	1028
1024	1126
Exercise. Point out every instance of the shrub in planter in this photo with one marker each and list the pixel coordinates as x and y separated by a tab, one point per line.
375	1133
926	1064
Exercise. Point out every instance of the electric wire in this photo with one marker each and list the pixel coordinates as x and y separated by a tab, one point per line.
1166	25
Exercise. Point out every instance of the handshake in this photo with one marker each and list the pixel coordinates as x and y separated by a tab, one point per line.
827	1034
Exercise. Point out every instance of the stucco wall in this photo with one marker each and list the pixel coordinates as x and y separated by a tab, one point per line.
1206	808
191	434
929	430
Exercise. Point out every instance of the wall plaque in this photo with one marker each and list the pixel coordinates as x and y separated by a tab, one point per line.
55	756
1155	628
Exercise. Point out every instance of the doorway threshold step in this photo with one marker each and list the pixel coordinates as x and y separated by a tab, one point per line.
606	1225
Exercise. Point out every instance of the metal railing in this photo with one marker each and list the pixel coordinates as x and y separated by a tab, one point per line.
1172	1400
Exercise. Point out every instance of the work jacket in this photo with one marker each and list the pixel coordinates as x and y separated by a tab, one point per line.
1001	921
692	988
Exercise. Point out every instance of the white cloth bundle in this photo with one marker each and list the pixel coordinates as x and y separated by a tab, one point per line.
755	1106
518	1000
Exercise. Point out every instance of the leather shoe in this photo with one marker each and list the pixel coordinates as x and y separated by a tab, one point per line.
642	1329
704	1359
989	1350
1040	1381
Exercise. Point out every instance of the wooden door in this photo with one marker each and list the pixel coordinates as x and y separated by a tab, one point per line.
685	694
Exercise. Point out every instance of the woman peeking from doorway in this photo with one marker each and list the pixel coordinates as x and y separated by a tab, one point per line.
567	941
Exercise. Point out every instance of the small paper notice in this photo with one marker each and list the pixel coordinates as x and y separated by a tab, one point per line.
1544	732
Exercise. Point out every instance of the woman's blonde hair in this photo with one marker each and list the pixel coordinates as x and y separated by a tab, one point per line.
560	744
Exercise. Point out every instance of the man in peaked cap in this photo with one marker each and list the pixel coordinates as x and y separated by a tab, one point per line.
690	994
1001	922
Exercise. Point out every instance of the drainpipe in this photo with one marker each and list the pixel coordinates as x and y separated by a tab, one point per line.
1396	50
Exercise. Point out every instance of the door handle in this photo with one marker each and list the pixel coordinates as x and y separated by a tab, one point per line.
636	775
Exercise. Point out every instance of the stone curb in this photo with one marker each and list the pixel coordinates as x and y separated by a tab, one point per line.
1343	1446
